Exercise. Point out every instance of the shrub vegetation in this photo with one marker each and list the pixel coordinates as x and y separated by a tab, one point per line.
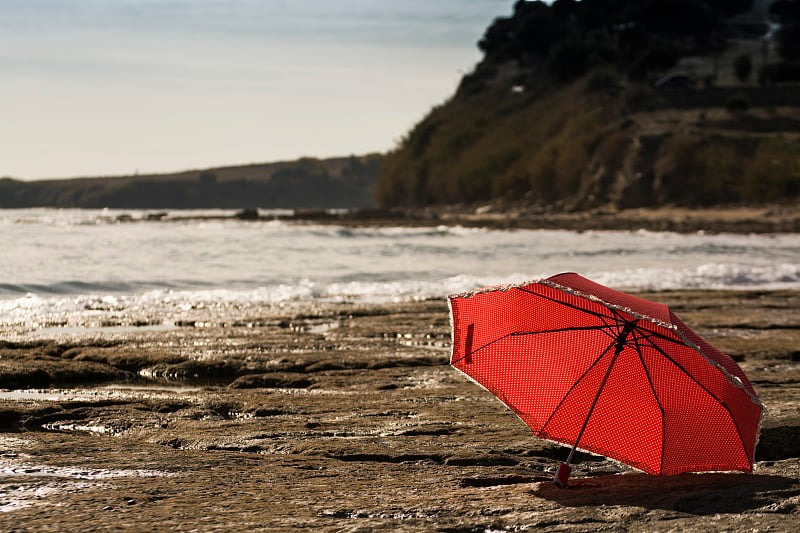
562	110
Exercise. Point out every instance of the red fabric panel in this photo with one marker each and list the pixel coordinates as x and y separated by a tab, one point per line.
711	352
643	307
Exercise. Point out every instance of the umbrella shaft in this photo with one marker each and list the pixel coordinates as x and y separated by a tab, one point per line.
620	346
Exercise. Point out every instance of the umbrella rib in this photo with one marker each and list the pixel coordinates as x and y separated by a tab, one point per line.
524	333
594	313
638	349
611	326
653	333
619	320
612	330
724	406
552	414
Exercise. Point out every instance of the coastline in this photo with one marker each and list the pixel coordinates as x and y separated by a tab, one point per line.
745	219
346	417
774	219
739	219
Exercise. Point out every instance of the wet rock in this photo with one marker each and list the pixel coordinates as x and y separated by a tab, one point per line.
482	460
192	370
432	430
43	372
500	480
379	435
263	412
9	419
272	380
779	441
387	458
248	214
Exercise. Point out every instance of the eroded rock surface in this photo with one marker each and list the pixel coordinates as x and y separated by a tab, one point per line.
348	418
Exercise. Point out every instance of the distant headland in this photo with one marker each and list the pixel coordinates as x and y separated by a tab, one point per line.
345	182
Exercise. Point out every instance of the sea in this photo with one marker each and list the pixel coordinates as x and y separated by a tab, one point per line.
77	270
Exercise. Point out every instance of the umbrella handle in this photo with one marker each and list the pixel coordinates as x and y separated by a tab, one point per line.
563	471
562	475
561	478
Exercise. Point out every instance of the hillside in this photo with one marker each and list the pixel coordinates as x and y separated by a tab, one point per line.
346	182
570	109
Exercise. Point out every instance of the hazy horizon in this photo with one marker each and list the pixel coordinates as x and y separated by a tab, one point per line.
95	88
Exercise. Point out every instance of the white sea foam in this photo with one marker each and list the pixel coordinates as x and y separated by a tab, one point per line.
80	268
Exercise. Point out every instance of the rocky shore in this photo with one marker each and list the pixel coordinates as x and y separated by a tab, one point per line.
348	418
743	219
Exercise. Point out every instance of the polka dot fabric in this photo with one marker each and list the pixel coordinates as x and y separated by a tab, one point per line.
672	403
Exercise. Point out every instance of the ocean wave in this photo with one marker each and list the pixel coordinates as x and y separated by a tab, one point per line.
93	217
705	276
392	233
87	287
33	311
94	274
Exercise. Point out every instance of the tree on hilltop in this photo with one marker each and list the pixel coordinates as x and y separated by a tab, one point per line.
622	33
787	14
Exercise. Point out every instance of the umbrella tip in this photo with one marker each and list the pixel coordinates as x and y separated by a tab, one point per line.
561	479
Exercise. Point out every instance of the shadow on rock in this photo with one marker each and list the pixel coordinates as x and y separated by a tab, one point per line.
698	494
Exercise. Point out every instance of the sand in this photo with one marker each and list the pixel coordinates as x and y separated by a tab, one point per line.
348	418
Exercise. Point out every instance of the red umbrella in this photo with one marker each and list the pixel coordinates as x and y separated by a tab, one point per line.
607	372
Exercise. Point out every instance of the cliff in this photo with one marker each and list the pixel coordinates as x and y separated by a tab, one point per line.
602	103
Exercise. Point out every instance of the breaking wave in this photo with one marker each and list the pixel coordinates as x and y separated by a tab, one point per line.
79	266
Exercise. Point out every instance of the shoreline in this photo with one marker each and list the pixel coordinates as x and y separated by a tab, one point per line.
741	219
752	219
671	219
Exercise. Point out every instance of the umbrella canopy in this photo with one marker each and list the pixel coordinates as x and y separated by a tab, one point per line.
607	372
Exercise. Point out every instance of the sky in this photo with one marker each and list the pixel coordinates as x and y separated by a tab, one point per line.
118	87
